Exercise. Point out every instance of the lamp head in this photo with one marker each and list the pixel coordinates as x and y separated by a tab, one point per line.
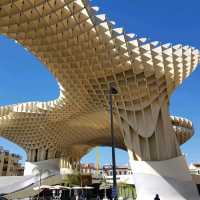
113	90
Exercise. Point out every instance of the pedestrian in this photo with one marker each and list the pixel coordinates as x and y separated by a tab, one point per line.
157	197
82	196
98	197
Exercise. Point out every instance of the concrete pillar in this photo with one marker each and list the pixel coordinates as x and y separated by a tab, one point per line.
65	167
29	155
51	154
155	154
42	156
33	155
39	155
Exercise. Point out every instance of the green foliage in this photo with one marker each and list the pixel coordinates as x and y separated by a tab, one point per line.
72	180
126	191
77	180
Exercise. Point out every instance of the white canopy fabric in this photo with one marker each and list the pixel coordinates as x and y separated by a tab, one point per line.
88	187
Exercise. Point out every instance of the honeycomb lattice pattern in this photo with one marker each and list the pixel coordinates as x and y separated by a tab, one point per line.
86	52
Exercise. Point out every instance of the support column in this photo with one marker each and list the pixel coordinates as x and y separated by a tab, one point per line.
155	156
66	167
32	155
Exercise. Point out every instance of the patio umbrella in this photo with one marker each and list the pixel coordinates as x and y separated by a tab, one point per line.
88	187
45	186
67	188
77	188
57	187
42	187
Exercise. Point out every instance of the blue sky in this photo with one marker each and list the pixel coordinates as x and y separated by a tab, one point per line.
24	78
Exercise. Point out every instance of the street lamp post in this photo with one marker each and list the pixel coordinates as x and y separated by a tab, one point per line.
40	184
113	91
40	170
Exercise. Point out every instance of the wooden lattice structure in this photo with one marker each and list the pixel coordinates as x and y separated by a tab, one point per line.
86	52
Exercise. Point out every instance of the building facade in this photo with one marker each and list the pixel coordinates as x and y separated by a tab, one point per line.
194	169
123	172
120	170
88	168
9	164
105	170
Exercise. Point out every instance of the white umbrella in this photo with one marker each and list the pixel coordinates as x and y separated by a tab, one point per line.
45	186
68	188
57	187
88	187
42	187
36	188
77	188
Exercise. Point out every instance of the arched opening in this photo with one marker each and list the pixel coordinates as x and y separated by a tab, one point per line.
105	156
23	77
13	148
98	164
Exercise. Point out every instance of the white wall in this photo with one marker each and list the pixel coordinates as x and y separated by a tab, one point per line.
170	179
47	166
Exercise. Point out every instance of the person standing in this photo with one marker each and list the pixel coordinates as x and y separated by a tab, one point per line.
98	197
157	197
